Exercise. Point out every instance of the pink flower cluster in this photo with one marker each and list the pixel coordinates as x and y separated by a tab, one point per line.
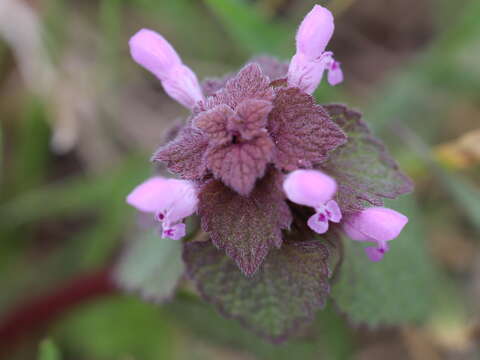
376	224
172	200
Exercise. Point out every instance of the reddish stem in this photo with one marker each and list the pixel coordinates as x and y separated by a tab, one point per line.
39	312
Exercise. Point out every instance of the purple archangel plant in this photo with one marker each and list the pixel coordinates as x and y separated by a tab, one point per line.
273	177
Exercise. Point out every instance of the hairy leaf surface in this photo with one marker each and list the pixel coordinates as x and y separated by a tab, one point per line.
184	155
284	294
302	131
245	227
249	83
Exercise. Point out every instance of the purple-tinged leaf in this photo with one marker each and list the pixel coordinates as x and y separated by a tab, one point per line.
283	294
250	119
221	123
214	124
239	145
363	168
245	227
303	132
213	84
249	83
240	165
272	67
184	155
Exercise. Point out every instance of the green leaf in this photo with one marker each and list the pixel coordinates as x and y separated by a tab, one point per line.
249	29
151	266
364	170
48	351
397	289
284	294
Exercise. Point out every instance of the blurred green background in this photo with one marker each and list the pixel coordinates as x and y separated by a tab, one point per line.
79	121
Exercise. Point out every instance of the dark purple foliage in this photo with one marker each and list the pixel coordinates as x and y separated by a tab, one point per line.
303	132
184	155
245	227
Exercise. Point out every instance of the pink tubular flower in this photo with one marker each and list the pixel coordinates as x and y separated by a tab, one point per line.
315	189
375	224
155	54
171	201
311	60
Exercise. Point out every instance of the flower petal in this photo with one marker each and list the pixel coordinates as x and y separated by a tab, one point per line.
318	222
335	73
304	73
176	199
378	223
150	50
174	232
183	86
353	233
309	187
182	200
333	211
315	32
374	254
149	196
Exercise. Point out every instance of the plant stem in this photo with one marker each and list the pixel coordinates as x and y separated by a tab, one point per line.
36	314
